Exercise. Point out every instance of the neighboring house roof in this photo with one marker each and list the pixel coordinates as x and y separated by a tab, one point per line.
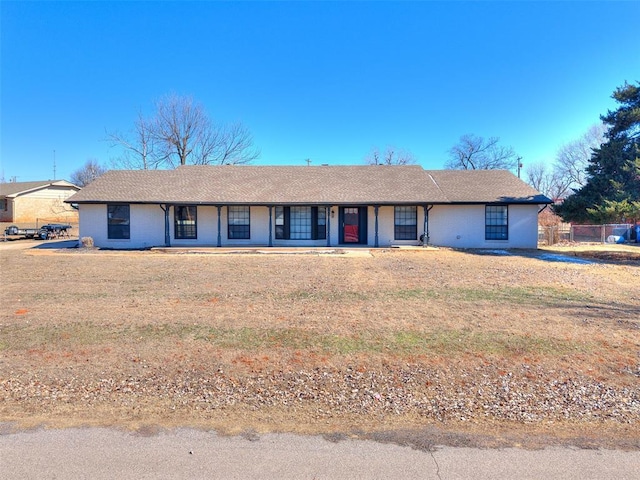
13	189
303	185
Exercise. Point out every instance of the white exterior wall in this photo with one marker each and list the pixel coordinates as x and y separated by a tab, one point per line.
146	226
386	227
207	228
449	225
333	218
463	226
149	226
93	223
259	228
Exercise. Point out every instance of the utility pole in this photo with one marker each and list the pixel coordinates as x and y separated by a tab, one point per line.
308	161
519	166
54	164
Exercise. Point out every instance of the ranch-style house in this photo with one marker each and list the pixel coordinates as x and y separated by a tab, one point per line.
325	206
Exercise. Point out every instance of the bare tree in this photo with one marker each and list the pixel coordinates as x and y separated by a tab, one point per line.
139	147
187	135
87	173
228	145
475	153
568	172
547	181
391	156
182	133
180	126
573	157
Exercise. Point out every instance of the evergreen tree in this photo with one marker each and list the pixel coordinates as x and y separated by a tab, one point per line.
612	191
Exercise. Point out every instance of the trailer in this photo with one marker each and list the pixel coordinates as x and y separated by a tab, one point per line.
54	230
45	232
14	231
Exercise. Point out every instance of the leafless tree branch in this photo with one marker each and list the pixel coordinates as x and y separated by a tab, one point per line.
475	153
391	156
572	158
547	181
87	173
139	149
182	133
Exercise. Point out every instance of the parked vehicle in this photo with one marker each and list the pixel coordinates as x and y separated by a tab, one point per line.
15	231
45	232
54	230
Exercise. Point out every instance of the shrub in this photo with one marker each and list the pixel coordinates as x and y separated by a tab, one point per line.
87	242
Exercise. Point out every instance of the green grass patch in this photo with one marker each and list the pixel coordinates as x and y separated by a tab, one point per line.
327	295
516	295
404	342
545	296
460	341
68	296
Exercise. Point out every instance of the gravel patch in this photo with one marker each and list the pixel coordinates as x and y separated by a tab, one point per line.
523	393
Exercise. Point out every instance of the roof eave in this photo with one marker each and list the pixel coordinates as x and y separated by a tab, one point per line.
40	187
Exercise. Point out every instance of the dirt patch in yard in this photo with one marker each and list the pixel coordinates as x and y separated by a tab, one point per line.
409	346
631	258
628	254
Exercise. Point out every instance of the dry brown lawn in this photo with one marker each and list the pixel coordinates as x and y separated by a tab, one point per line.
396	345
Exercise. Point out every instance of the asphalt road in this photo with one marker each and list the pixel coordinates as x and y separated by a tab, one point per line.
95	453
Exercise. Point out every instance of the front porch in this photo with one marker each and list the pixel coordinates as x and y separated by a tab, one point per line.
295	226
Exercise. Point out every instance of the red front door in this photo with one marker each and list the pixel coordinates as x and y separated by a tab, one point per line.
350	225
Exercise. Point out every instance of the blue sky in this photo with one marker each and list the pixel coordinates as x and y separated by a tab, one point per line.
320	80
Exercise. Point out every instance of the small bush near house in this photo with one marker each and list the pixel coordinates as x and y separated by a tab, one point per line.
86	242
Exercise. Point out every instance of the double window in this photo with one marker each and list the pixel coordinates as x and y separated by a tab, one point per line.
238	222
496	222
406	223
301	223
185	221
118	219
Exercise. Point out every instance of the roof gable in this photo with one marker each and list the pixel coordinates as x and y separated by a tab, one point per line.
13	189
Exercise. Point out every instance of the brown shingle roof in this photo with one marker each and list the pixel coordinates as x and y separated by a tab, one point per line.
266	185
15	188
485	186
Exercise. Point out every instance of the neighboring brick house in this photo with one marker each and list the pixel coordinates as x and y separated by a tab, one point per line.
37	202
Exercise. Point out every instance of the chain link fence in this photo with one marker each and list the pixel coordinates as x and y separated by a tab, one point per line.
610	233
